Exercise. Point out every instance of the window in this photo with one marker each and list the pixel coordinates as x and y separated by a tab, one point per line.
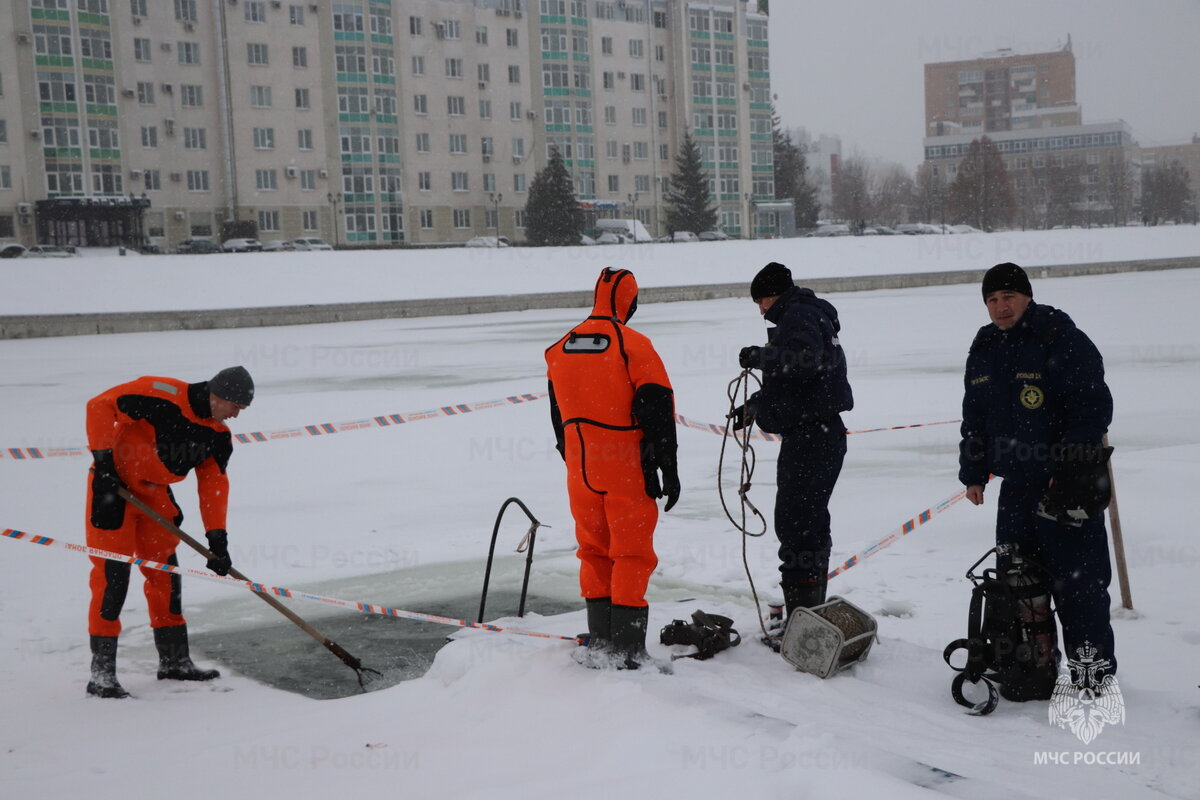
141	49
514	109
300	57
454	68
150	136
614	183
427	218
610	115
189	52
606	45
453	29
296	17
418	65
264	138
260	96
489	181
660	52
256	55
137	8
195	139
266	179
637	82
641	183
308	180
152	180
456	106
311	220
637	48
302	99
514	73
639	116
197	180
425	181
519	182
191	95
462	218
555	76
662	119
256	11
185	10
458	143
487	145
481	35
610	149
485	109
459	182
483	72
414	26
422	142
510	37
518	147
381	22
145	93
420	104
268	220
641	150
608	80
519	218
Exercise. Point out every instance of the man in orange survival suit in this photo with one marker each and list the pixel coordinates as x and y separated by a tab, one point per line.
145	435
613	412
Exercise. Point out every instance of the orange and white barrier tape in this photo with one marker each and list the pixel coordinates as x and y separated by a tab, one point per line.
279	591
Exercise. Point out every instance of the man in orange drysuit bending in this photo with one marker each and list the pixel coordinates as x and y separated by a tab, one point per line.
145	435
613	413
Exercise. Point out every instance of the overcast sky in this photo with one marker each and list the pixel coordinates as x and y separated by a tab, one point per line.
855	68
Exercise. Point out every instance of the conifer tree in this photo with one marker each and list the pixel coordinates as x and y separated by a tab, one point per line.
982	193
689	202
552	212
791	176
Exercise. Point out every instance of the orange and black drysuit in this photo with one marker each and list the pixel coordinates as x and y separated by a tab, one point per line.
153	432
612	408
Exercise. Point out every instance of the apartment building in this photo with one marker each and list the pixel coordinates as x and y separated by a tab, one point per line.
1026	105
368	122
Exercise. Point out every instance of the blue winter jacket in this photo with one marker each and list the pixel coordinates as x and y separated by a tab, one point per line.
1028	391
803	364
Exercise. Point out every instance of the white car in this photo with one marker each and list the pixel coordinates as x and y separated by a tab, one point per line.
611	237
488	241
47	251
311	243
276	245
241	245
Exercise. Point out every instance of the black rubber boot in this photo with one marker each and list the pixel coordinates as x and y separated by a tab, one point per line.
104	669
599	634
174	662
629	636
803	595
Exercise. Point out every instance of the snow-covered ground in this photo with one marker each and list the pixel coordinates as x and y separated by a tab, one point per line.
107	282
502	716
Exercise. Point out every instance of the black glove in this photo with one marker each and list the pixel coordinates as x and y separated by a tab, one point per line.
750	358
108	507
668	486
218	543
1081	489
744	415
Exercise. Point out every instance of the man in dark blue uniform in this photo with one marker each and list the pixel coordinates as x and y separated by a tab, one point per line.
803	394
1035	411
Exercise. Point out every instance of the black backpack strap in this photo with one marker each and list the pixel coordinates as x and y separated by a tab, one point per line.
708	633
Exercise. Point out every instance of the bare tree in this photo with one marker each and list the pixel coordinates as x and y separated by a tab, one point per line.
1166	193
929	195
1063	185
851	195
981	194
893	193
1118	190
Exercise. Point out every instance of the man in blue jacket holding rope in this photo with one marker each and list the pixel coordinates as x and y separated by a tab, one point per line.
804	392
1035	412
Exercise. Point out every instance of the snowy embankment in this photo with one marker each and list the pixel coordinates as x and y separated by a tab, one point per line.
513	717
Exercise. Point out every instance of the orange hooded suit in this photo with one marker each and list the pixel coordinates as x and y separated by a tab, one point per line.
157	430
613	413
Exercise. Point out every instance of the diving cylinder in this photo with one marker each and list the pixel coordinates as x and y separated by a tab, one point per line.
1033	610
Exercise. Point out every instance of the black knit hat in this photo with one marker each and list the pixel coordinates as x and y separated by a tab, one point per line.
772	280
233	384
1006	277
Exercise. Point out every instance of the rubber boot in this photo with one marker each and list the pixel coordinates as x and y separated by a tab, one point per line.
803	595
629	636
174	662
104	669
599	635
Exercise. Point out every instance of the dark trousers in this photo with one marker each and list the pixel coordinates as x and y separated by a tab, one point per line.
810	460
1076	558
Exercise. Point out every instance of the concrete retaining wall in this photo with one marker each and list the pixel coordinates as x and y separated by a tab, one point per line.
34	326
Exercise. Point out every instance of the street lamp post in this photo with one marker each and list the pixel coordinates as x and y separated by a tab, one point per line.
633	198
496	197
333	201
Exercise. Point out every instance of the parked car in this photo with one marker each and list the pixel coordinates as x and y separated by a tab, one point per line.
311	243
964	229
911	229
584	239
882	230
197	246
47	251
488	241
11	251
714	236
684	236
276	245
612	237
241	245
832	230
